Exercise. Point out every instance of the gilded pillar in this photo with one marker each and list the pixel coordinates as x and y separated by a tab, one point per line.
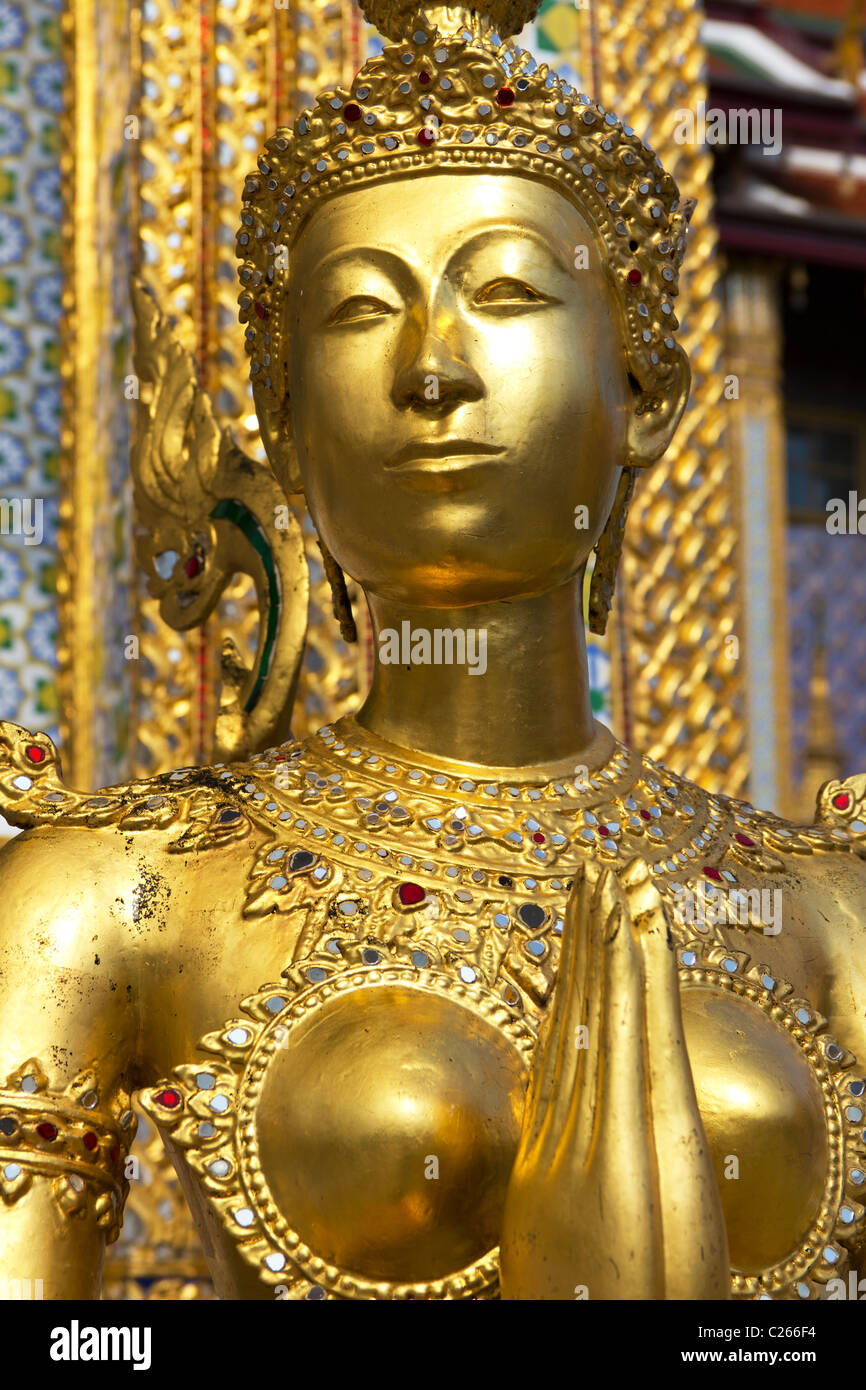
683	679
756	433
93	574
217	78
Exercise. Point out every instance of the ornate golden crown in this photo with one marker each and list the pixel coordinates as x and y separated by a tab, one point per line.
454	94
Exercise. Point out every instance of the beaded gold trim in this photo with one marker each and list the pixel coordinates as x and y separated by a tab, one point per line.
364	812
32	793
346	817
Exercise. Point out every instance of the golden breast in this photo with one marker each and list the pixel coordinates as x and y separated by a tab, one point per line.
387	1130
763	1114
388	1126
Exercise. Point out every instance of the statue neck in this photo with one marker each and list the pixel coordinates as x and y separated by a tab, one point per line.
515	693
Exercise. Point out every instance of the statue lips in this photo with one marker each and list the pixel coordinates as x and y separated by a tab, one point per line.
440	465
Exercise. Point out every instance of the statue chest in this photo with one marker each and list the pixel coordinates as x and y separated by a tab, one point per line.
356	1127
355	1133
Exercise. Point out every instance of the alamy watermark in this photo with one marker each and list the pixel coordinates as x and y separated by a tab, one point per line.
846	518
438	646
22	516
705	906
77	1343
21	1290
738	126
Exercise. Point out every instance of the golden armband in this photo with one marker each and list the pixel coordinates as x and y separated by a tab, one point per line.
74	1138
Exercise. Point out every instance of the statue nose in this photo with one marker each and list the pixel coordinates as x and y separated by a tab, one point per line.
435	375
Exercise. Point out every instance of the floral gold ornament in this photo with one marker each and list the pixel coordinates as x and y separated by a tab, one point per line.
844	803
209	512
409	999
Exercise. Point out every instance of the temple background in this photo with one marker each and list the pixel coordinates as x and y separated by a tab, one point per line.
738	648
125	132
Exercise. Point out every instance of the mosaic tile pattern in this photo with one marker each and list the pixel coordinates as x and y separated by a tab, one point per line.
31	96
553	38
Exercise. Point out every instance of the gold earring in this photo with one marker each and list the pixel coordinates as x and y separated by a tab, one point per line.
607	555
340	595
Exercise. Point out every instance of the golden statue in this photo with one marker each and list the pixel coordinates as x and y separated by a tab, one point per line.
460	997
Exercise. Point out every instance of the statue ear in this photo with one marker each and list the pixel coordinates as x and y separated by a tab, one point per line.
656	412
275	426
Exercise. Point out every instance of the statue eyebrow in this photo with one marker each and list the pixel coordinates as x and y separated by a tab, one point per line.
542	239
391	263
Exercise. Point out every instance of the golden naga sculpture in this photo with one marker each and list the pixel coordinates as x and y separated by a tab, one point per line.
459	998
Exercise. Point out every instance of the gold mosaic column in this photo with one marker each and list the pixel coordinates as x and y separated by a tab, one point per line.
217	79
169	61
757	439
680	600
93	508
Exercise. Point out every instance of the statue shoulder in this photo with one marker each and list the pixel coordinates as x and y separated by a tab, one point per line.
816	873
115	856
822	866
69	975
65	893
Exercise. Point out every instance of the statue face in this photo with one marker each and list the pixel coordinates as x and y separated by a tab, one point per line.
459	387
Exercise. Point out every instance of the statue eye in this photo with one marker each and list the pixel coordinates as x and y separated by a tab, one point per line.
359	307
507	291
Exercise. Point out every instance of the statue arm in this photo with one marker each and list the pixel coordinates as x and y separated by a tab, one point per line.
69	1012
613	1194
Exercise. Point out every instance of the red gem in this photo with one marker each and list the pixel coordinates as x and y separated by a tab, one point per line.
262	312
114	1153
842	801
645	815
712	873
634	277
90	1140
505	96
170	1099
424	79
410	894
426	137
352	111
744	840
35	753
538	837
603	831
46	1130
192	567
